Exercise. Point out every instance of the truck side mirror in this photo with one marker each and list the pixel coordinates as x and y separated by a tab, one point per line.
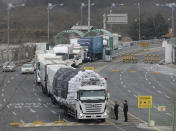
76	99
108	95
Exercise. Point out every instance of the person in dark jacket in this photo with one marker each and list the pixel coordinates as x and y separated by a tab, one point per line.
116	110
125	110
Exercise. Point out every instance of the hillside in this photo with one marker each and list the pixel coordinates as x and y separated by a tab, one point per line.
29	23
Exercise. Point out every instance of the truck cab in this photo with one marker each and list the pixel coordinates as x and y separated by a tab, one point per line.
92	101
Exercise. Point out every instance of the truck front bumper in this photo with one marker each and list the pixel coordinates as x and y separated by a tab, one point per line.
92	116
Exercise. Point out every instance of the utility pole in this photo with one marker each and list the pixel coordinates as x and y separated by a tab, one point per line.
173	28
104	21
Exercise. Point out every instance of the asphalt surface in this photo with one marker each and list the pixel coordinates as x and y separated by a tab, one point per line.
22	101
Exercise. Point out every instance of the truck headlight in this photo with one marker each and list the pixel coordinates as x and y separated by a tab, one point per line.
81	115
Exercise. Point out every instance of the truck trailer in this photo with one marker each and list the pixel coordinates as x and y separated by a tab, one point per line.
81	93
93	47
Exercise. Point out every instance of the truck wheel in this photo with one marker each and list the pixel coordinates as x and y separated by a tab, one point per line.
65	112
43	90
102	120
53	100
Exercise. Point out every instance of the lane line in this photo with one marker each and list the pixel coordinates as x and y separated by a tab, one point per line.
4	100
2	95
53	112
22	121
39	99
33	111
14	113
159	91
135	96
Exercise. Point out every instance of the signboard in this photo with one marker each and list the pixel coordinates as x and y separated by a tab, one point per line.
144	101
143	44
117	18
89	68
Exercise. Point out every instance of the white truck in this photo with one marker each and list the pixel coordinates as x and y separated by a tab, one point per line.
72	52
48	57
81	93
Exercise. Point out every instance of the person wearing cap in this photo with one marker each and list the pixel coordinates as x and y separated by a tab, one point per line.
116	110
125	110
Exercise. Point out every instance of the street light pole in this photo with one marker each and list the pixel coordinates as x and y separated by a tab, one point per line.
10	6
51	6
173	28
88	15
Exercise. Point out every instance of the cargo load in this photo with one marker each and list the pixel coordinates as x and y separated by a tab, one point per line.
67	81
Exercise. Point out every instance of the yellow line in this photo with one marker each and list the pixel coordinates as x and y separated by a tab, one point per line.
116	126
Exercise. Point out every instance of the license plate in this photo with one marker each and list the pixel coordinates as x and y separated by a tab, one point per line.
93	116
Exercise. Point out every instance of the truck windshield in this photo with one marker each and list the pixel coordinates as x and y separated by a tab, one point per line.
86	95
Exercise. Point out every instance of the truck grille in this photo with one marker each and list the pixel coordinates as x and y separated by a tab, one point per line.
93	108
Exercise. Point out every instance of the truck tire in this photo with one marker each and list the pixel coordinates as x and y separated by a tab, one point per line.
43	90
53	100
103	120
65	112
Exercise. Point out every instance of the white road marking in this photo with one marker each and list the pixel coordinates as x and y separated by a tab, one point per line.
135	96
12	78
14	113
169	114
8	106
159	91
153	87
4	100
8	81
35	94
39	99
34	85
65	120
45	105
124	86
122	72
121	82
2	95
53	112
167	96
120	75
146	79
120	78
2	90
173	80
149	83
33	89
17	75
33	111
129	91
22	121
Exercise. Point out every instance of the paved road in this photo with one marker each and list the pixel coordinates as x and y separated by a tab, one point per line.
22	100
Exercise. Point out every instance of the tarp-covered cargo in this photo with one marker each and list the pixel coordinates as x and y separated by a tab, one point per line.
68	80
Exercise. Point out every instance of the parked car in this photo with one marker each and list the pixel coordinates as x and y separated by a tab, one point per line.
8	66
27	68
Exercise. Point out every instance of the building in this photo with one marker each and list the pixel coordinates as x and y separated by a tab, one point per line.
170	51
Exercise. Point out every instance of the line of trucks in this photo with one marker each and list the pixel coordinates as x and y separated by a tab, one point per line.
81	93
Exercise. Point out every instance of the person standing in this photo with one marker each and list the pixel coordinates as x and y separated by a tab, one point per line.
116	110
125	110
